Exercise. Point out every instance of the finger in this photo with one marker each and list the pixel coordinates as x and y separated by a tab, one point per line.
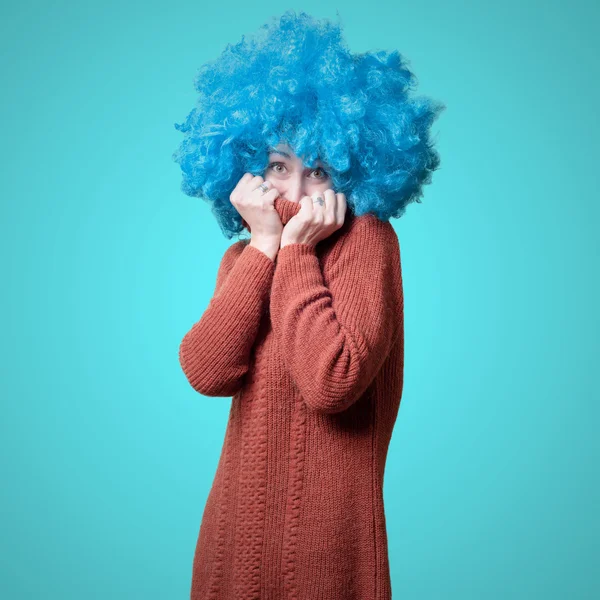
316	206
243	181
341	207
270	196
306	207
256	181
331	205
261	191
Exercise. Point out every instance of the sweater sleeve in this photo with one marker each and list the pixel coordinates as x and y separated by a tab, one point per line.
335	329
214	354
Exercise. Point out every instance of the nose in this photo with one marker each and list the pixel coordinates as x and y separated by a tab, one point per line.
295	188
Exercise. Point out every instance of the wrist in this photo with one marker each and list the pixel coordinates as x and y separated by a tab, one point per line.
269	246
289	242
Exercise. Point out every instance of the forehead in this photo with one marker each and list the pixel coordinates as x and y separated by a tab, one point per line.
286	151
283	149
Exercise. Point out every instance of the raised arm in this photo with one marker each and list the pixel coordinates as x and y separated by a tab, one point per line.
215	353
336	329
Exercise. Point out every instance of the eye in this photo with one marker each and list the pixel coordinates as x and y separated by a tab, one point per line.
275	167
275	164
324	176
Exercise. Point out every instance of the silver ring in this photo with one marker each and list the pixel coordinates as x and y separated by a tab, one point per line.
264	187
319	200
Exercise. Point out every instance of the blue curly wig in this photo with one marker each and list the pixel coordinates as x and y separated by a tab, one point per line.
296	82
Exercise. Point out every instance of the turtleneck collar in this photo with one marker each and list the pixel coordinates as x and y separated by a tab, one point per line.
285	208
288	209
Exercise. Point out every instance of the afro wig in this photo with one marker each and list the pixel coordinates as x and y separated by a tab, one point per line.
296	82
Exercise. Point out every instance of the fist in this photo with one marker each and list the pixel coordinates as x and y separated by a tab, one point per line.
319	216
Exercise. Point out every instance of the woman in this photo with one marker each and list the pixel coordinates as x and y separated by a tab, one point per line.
305	328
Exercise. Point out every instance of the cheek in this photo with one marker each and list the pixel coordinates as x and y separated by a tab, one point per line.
319	187
276	183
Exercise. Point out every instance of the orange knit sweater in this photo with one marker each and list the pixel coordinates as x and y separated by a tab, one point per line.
311	347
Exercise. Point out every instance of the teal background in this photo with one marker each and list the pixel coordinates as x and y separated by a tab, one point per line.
108	454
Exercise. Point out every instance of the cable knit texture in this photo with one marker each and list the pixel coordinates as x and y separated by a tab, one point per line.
310	346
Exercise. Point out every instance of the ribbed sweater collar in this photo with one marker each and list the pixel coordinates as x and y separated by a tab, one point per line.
288	209
285	208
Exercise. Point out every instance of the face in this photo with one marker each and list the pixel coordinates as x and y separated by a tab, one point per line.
293	181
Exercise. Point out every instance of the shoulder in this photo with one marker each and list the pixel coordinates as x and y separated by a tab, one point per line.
237	247
233	252
369	234
370	224
366	242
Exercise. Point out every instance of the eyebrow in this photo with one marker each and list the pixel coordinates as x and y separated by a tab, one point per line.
273	151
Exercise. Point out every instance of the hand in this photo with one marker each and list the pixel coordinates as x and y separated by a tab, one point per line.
314	222
257	208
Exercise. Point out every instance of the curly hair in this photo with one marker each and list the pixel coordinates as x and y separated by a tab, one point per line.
296	82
